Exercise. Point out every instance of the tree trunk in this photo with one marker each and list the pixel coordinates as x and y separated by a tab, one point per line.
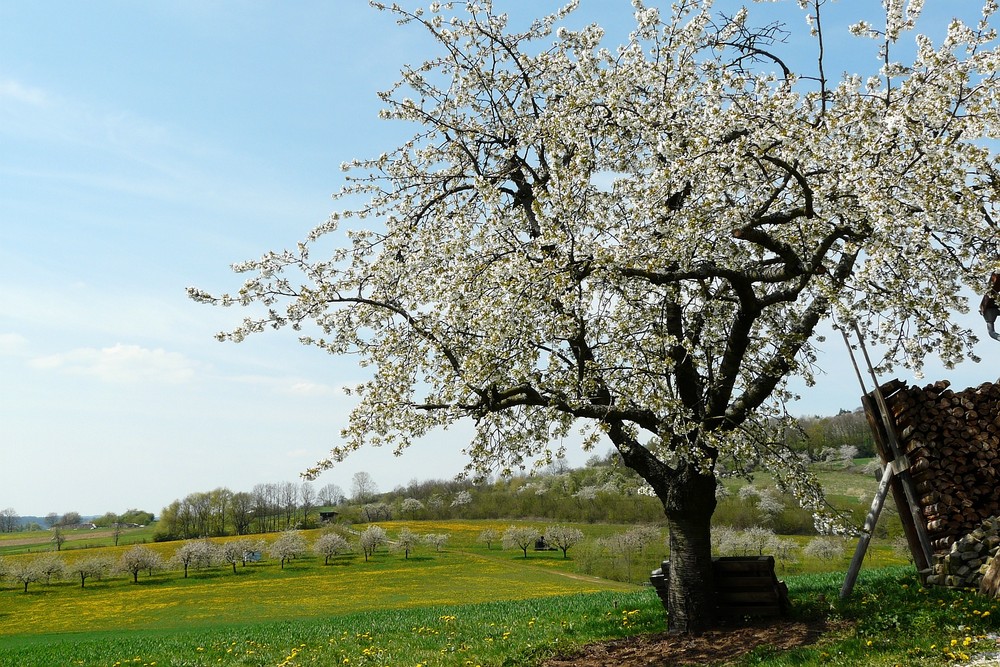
689	508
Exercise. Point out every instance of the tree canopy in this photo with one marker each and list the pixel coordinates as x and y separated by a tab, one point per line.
641	240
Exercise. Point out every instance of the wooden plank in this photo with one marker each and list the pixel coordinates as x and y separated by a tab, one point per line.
867	532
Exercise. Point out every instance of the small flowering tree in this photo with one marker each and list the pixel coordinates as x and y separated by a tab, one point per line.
563	537
237	551
437	540
644	239
49	566
90	567
290	545
489	536
370	540
406	541
410	506
521	537
328	545
23	572
197	553
824	548
137	559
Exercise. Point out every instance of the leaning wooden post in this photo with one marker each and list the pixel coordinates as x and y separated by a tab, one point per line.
924	557
869	529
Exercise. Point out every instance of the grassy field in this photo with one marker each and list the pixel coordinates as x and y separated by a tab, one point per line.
890	620
81	538
465	605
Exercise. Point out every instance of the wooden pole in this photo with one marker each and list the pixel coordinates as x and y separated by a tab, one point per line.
924	556
866	533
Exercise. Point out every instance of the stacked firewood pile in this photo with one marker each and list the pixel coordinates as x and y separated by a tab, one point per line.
969	560
952	440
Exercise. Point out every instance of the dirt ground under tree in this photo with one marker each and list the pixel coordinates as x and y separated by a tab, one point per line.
711	648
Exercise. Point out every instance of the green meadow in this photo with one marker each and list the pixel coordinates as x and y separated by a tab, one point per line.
463	605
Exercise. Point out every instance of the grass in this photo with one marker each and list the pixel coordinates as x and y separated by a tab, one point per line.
890	620
304	589
516	632
466	605
80	538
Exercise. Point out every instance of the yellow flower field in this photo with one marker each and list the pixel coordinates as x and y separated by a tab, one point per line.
305	588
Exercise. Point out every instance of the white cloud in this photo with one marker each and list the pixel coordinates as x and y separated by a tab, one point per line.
122	364
12	344
14	90
304	388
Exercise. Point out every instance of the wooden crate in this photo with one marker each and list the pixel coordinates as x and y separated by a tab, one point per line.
744	587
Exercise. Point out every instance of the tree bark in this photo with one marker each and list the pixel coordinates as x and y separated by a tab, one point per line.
689	508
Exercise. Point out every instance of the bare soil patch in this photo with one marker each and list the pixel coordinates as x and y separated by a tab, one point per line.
715	647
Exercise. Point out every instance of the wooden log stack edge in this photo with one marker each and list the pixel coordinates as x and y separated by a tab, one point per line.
952	441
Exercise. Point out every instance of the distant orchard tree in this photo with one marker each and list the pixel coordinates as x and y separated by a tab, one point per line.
195	553
437	540
329	545
50	566
521	537
824	548
563	537
9	520
138	559
51	519
406	541
435	502
489	536
57	537
90	567
370	540
290	545
410	506
117	527
307	502
71	519
631	543
760	540
237	551
23	572
363	487
461	498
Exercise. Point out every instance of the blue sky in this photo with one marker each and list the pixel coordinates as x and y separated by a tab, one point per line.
143	148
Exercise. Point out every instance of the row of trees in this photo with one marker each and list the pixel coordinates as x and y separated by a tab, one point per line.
818	436
265	508
292	544
203	553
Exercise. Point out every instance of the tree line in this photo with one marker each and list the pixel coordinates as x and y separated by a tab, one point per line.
266	508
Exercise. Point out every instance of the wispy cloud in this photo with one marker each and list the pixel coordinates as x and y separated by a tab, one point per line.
122	364
18	92
303	388
12	344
